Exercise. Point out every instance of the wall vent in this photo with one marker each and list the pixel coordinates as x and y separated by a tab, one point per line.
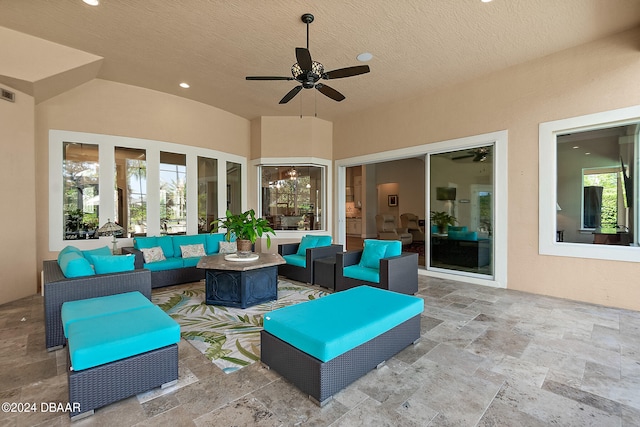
7	95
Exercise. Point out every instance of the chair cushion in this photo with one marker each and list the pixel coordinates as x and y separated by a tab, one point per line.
463	235
357	316
323	241
73	264
103	251
375	250
167	264
307	242
113	263
297	260
115	336
362	273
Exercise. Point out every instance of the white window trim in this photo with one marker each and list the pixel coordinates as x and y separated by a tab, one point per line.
298	161
107	144
499	139
548	184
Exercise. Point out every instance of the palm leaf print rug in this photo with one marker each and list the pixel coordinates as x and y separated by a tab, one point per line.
229	337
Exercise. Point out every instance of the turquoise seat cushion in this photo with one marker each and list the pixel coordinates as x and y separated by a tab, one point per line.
213	243
115	336
297	260
357	315
187	240
362	273
73	264
72	311
66	250
307	242
113	263
190	262
167	264
457	228
103	251
462	235
375	250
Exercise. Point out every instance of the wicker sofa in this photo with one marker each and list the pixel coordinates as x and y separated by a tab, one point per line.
58	289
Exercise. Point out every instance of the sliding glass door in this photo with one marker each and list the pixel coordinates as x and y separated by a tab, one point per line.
461	200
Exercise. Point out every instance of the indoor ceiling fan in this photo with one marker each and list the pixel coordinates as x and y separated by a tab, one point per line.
308	72
478	154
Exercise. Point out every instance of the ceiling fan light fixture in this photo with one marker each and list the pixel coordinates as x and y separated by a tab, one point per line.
298	73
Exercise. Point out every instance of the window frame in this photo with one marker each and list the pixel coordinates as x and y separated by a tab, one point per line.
106	155
547	195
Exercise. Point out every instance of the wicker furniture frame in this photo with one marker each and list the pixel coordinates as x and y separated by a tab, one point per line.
398	274
102	385
170	277
304	274
59	289
321	380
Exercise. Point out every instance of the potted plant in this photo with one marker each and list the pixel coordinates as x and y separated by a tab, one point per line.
246	227
442	220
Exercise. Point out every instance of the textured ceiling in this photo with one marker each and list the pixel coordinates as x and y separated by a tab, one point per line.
418	45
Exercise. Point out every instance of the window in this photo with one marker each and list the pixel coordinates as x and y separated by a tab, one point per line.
131	190
234	187
81	198
173	193
292	196
207	193
588	186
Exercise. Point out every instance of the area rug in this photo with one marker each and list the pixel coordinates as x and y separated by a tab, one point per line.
229	337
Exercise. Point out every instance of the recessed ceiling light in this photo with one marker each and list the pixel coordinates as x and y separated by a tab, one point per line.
485	1
364	57
92	2
184	85
576	146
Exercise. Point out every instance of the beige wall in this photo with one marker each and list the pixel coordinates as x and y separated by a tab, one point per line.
18	215
291	137
591	78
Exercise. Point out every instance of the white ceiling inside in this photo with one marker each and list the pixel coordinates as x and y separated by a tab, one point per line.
417	45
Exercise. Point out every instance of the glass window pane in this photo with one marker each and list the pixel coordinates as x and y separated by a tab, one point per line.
207	193
173	193
131	190
292	197
81	198
234	187
462	210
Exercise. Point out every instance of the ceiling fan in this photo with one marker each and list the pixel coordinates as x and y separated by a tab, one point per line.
308	72
478	154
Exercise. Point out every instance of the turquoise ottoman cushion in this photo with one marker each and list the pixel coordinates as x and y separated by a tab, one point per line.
73	311
110	337
348	319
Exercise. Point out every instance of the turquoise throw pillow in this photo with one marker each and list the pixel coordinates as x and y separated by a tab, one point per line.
103	251
307	242
374	251
73	264
113	263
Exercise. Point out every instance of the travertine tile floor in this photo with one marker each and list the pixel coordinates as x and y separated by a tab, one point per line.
487	357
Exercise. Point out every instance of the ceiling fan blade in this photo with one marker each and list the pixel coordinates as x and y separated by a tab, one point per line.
330	92
289	96
346	72
268	78
304	58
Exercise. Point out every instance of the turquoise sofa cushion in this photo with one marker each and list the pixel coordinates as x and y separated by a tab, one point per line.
66	250
297	260
213	243
187	240
166	243
72	311
73	264
190	262
307	242
457	228
103	251
362	273
145	242
113	263
115	336
167	264
357	315
463	235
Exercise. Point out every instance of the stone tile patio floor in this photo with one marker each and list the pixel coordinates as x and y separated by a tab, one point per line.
487	357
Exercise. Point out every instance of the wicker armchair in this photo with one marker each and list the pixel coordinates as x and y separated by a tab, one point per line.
304	274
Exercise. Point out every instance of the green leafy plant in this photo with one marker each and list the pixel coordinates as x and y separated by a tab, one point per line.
245	226
442	219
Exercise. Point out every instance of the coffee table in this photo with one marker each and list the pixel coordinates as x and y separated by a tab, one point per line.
235	283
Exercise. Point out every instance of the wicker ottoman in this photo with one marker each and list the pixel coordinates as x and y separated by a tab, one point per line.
360	329
116	354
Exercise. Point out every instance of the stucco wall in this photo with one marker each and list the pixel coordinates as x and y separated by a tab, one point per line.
595	77
18	215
